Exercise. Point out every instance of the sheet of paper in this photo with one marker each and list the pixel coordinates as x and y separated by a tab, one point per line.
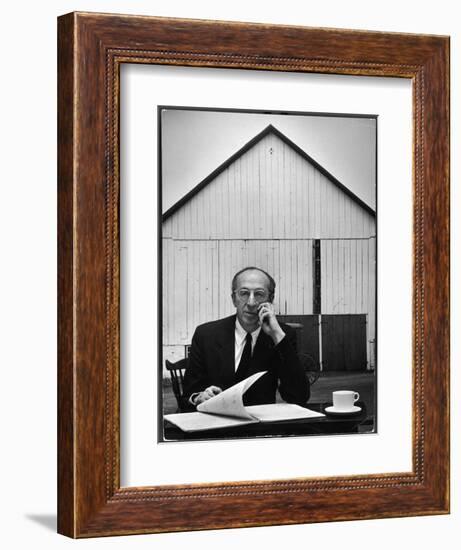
281	411
196	421
230	401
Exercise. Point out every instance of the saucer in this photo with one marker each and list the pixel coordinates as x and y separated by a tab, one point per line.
334	410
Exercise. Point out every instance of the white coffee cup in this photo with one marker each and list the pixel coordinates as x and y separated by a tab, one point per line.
344	400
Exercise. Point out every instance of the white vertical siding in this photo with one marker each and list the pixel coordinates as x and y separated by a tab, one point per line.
348	281
372	299
265	209
270	192
197	278
347	275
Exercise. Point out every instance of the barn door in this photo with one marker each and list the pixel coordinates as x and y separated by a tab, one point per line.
344	342
307	336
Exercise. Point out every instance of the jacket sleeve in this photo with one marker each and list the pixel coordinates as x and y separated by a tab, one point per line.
294	384
196	376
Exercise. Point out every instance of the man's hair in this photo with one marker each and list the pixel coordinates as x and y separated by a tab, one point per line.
252	268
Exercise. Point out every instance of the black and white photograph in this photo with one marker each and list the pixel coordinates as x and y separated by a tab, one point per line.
268	251
228	320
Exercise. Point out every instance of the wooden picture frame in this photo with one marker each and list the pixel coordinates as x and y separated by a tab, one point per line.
91	49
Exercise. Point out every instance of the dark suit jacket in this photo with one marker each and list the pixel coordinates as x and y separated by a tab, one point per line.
212	362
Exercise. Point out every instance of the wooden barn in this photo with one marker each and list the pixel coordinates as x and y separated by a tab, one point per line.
271	205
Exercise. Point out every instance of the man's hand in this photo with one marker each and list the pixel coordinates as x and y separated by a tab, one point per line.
204	395
269	323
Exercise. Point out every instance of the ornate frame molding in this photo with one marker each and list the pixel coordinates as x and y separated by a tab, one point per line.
91	49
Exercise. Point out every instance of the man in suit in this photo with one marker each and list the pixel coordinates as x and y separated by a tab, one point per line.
226	351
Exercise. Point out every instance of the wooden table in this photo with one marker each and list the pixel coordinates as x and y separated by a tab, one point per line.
325	425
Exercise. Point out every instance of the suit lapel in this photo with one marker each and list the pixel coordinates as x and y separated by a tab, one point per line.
226	346
262	352
226	349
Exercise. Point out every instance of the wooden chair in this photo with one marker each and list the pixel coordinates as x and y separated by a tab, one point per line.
311	366
176	371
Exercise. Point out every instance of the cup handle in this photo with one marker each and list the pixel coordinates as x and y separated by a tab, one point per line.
356	396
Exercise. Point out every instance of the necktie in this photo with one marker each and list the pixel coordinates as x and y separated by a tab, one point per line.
244	365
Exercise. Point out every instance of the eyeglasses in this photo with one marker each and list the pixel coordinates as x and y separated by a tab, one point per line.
259	295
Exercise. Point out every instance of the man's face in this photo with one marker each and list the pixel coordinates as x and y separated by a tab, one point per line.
252	289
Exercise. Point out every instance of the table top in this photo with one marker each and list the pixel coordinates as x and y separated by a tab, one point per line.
325	425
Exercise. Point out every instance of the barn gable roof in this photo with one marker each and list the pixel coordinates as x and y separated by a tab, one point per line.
268	130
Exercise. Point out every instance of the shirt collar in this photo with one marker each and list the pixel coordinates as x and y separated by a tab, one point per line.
240	332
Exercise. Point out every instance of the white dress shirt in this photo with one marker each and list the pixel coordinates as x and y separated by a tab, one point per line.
240	340
240	337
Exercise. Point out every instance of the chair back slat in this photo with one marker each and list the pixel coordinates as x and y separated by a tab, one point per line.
176	371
